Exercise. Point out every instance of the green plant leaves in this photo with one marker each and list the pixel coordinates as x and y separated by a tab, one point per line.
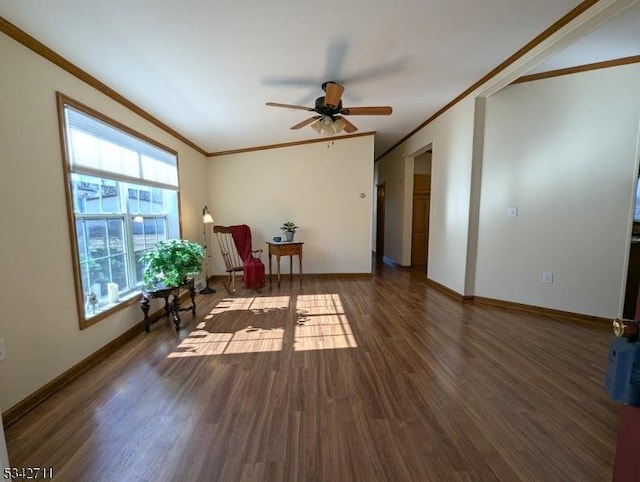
169	263
289	226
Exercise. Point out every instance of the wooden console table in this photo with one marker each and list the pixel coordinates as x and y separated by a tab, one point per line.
285	249
170	308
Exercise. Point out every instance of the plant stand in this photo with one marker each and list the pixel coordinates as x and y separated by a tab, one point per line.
171	308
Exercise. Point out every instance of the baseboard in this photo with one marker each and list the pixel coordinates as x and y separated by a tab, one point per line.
20	409
589	320
304	276
592	321
448	291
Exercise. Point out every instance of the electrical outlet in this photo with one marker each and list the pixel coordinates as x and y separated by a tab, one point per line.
547	277
3	350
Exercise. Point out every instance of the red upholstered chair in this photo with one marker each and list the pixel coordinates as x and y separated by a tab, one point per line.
238	255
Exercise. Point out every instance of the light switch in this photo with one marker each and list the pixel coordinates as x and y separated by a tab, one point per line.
512	212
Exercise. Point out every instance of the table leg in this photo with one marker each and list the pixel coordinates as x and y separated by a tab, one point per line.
300	265
278	261
175	308
144	304
290	267
269	267
192	293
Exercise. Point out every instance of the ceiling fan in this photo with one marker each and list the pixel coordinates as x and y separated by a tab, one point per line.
330	120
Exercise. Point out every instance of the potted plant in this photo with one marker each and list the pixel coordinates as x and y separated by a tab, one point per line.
170	263
289	229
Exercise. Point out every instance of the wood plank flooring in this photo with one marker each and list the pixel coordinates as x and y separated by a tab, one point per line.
344	379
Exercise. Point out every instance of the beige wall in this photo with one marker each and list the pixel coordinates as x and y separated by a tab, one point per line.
564	151
451	137
318	186
39	321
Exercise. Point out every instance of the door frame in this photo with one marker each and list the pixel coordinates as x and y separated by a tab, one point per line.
380	201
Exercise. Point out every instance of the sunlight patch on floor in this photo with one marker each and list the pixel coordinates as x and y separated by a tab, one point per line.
321	324
256	304
324	332
247	340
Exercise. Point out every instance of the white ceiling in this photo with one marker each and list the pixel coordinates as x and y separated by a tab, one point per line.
206	68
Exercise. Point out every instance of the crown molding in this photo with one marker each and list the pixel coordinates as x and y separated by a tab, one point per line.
289	144
39	48
580	68
573	25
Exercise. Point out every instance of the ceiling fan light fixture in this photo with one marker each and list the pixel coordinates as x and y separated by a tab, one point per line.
330	120
324	126
327	126
339	124
317	126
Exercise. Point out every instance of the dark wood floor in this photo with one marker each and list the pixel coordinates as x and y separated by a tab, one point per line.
345	379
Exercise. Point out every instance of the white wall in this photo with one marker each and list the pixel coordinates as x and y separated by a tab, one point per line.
451	136
564	151
39	320
317	186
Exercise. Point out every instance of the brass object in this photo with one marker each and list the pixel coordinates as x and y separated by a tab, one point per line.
626	328
618	328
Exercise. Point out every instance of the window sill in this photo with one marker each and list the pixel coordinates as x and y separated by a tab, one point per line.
109	308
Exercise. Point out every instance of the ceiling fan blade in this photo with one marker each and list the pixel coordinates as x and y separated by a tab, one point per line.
348	126
305	122
332	94
293	82
378	110
289	106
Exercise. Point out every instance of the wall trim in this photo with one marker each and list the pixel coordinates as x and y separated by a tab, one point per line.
448	291
289	144
285	276
20	409
587	320
592	321
580	68
39	48
571	15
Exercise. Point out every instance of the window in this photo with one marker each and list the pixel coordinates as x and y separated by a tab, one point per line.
122	190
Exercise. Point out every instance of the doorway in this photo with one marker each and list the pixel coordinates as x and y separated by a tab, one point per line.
420	223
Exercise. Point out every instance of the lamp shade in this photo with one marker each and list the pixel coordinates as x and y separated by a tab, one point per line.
317	126
207	218
339	125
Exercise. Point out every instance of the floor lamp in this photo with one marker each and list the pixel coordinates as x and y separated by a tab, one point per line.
206	219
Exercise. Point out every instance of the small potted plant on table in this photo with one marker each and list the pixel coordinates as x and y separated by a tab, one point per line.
289	229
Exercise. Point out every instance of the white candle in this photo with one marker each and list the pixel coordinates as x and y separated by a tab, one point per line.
113	294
